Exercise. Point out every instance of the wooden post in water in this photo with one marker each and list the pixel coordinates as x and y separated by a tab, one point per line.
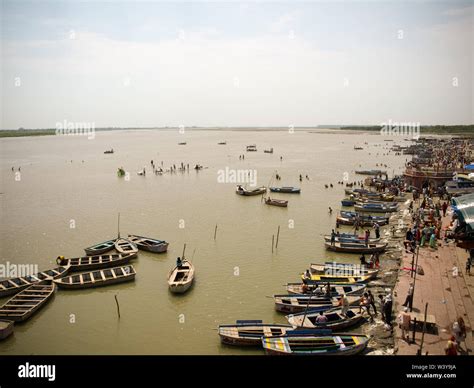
278	236
118	225
273	241
215	232
118	306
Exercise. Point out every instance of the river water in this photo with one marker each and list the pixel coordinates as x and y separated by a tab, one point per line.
67	197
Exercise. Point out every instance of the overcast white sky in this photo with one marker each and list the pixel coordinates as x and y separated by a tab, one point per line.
236	64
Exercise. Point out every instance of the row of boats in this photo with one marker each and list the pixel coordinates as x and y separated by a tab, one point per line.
326	303
32	292
320	294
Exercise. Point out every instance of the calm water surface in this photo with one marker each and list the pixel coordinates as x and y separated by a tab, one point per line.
67	180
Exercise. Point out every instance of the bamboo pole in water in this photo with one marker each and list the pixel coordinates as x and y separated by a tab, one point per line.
215	232
118	226
273	240
118	306
278	236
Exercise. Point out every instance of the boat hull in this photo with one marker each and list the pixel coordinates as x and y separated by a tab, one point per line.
100	248
6	329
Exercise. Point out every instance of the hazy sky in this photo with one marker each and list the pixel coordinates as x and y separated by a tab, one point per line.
158	63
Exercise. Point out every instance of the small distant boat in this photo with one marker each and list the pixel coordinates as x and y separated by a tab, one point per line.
6	329
286	189
103	277
250	333
252	148
348	237
222	143
88	263
100	248
354	247
320	289
111	151
276	202
270	151
125	246
23	305
334	268
13	285
141	172
149	244
180	279
299	302
336	320
358	148
299	343
370	172
182	143
260	190
120	172
373	207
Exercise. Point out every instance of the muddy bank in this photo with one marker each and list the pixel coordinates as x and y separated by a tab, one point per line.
382	339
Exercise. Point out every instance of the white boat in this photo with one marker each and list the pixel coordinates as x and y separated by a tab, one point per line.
181	278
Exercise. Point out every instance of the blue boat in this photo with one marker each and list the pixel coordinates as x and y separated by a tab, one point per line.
288	190
348	202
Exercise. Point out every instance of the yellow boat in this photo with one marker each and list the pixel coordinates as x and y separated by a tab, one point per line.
336	279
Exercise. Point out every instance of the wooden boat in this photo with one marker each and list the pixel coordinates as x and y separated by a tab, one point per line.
350	218
88	263
260	190
6	329
348	202
334	268
358	148
180	279
299	343
23	305
250	333
125	246
370	172
347	237
321	289
120	172
276	202
251	148
14	285
100	248
355	191
353	247
286	190
99	278
222	143
335	279
336	320
109	151
182	143
148	244
373	207
270	151
300	302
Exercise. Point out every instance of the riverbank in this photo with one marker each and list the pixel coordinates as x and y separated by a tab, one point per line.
448	296
455	130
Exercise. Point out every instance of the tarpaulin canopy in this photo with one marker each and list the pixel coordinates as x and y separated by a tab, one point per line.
469	166
464	208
